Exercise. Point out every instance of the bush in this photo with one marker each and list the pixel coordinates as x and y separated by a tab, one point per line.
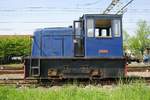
14	46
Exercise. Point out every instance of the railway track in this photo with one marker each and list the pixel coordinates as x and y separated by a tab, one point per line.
138	68
18	81
21	70
11	70
21	81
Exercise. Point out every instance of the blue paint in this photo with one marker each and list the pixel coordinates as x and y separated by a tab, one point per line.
113	45
36	43
58	42
53	42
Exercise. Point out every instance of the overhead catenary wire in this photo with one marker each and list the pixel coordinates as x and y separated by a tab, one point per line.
90	3
55	10
34	22
67	10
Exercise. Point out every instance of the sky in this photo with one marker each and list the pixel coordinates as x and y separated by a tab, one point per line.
22	17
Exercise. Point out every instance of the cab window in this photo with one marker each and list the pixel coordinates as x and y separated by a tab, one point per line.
90	27
103	28
77	27
116	28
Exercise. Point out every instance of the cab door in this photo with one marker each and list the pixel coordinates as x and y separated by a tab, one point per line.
78	39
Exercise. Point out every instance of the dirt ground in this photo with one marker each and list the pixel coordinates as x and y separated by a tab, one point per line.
12	76
135	64
139	74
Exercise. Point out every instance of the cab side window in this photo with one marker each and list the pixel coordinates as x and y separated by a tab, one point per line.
90	27
116	28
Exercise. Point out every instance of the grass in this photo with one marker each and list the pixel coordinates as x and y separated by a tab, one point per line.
133	91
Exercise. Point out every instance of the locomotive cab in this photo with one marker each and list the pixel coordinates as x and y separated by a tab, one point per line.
98	36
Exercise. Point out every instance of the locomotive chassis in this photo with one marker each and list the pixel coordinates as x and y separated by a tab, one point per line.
75	68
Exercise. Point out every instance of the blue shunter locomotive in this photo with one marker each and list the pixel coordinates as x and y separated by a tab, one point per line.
92	48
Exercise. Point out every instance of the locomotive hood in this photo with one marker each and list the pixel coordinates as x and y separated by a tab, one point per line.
54	31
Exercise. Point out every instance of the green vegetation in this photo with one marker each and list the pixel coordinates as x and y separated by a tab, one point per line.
140	41
14	46
134	91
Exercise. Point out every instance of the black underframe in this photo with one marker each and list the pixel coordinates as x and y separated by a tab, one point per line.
78	67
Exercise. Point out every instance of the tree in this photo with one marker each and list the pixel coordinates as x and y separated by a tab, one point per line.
140	41
11	46
126	38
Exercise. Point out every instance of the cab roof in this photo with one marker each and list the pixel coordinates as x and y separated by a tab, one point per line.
102	16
